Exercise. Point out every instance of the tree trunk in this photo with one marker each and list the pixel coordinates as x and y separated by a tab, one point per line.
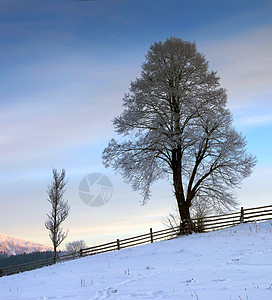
186	225
55	254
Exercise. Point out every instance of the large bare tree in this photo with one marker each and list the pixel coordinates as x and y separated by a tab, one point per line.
182	130
59	209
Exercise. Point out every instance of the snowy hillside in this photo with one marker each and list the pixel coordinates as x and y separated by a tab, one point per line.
234	263
12	245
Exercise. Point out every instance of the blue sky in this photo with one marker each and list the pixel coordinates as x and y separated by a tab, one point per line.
65	66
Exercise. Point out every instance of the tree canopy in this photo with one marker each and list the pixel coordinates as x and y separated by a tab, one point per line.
182	130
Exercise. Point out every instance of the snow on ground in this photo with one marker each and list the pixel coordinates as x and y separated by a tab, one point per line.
234	263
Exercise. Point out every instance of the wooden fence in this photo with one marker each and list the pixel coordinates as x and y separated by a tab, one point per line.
206	224
255	214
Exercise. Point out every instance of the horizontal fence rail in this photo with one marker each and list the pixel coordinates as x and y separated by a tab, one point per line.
205	224
262	213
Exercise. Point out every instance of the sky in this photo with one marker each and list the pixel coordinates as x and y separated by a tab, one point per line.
64	68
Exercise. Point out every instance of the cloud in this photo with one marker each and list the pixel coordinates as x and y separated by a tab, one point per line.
59	105
256	120
244	64
257	188
33	130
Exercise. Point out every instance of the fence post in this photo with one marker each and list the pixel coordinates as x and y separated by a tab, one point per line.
189	226
151	235
180	228
1	272
80	253
185	227
242	215
118	244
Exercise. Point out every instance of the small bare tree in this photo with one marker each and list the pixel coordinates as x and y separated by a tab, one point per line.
59	209
173	221
75	246
199	210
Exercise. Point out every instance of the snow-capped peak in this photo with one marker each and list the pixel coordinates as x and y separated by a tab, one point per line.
12	245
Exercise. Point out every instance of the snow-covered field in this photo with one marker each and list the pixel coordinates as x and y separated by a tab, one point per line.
234	263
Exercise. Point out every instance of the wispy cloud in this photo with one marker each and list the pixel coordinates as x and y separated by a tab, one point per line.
67	104
257	188
244	64
256	120
32	131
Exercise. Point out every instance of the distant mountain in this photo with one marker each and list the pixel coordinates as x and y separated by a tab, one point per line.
12	245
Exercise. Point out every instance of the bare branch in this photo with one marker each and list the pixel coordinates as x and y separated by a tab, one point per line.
183	128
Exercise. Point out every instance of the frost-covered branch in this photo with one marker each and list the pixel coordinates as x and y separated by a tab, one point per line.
183	128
